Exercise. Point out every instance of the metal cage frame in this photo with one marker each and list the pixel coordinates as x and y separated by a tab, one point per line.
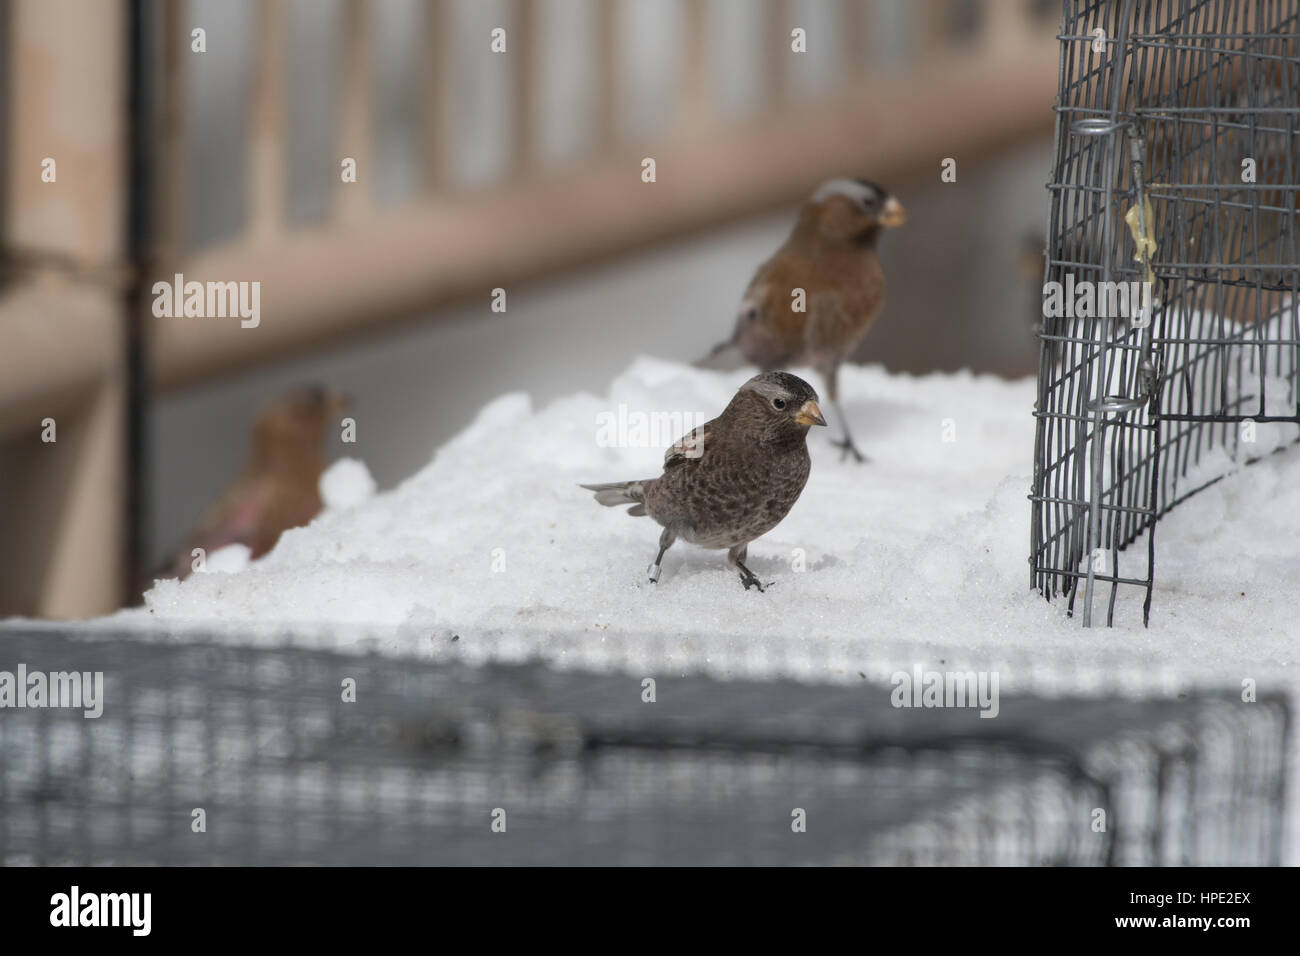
1161	106
414	766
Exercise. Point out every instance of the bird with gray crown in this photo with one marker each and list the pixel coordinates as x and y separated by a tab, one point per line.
830	256
732	479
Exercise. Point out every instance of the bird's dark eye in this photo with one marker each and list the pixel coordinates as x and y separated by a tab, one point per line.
778	403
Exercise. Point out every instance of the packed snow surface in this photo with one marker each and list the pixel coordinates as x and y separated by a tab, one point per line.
920	555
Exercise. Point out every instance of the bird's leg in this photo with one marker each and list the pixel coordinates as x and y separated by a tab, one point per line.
665	542
748	577
654	568
846	443
736	556
831	374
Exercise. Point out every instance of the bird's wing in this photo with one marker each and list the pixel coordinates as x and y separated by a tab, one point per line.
690	447
769	331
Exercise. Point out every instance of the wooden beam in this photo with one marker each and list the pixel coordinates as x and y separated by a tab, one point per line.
63	100
609	82
266	122
700	54
777	66
61	341
853	18
356	95
438	93
81	540
521	48
61	323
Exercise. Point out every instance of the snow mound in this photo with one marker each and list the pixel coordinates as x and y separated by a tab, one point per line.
493	551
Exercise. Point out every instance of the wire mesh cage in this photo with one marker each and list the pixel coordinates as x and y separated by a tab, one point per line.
1170	328
579	768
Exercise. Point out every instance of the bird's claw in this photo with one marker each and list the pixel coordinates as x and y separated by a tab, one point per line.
848	448
751	581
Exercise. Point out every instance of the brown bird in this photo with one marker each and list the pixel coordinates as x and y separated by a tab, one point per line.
811	303
732	479
277	489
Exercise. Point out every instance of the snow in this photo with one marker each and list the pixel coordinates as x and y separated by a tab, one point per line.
228	560
920	555
345	484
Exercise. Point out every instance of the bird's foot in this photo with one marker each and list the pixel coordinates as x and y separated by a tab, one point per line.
654	573
848	448
750	579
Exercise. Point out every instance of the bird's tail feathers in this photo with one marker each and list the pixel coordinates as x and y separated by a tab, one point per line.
615	493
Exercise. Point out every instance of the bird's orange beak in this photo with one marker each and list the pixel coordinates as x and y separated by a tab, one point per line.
892	213
809	414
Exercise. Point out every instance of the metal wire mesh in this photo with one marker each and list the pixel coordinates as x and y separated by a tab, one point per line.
1183	116
587	772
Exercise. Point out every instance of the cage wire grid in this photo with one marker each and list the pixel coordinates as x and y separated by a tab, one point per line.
587	772
1156	117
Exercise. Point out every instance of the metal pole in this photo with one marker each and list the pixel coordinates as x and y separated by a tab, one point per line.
139	232
1119	51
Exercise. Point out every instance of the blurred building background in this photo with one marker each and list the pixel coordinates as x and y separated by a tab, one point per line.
477	170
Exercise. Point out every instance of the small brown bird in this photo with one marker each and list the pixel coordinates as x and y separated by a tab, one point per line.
811	303
277	489
732	479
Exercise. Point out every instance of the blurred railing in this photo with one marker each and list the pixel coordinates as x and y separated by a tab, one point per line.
964	78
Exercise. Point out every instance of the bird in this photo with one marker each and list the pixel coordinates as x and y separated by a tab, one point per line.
732	479
278	487
814	299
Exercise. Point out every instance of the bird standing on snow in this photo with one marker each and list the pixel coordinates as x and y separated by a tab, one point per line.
733	479
277	489
831	256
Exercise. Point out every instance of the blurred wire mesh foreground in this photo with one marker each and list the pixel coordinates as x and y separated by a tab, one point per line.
574	767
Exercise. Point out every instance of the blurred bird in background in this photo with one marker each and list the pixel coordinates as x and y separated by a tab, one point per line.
278	488
811	303
732	479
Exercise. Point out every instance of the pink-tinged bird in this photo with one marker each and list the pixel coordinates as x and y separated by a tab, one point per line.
278	488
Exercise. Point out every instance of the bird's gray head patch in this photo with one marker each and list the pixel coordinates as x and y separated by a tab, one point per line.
781	385
861	191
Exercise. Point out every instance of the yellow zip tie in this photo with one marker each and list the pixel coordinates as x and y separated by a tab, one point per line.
1144	242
